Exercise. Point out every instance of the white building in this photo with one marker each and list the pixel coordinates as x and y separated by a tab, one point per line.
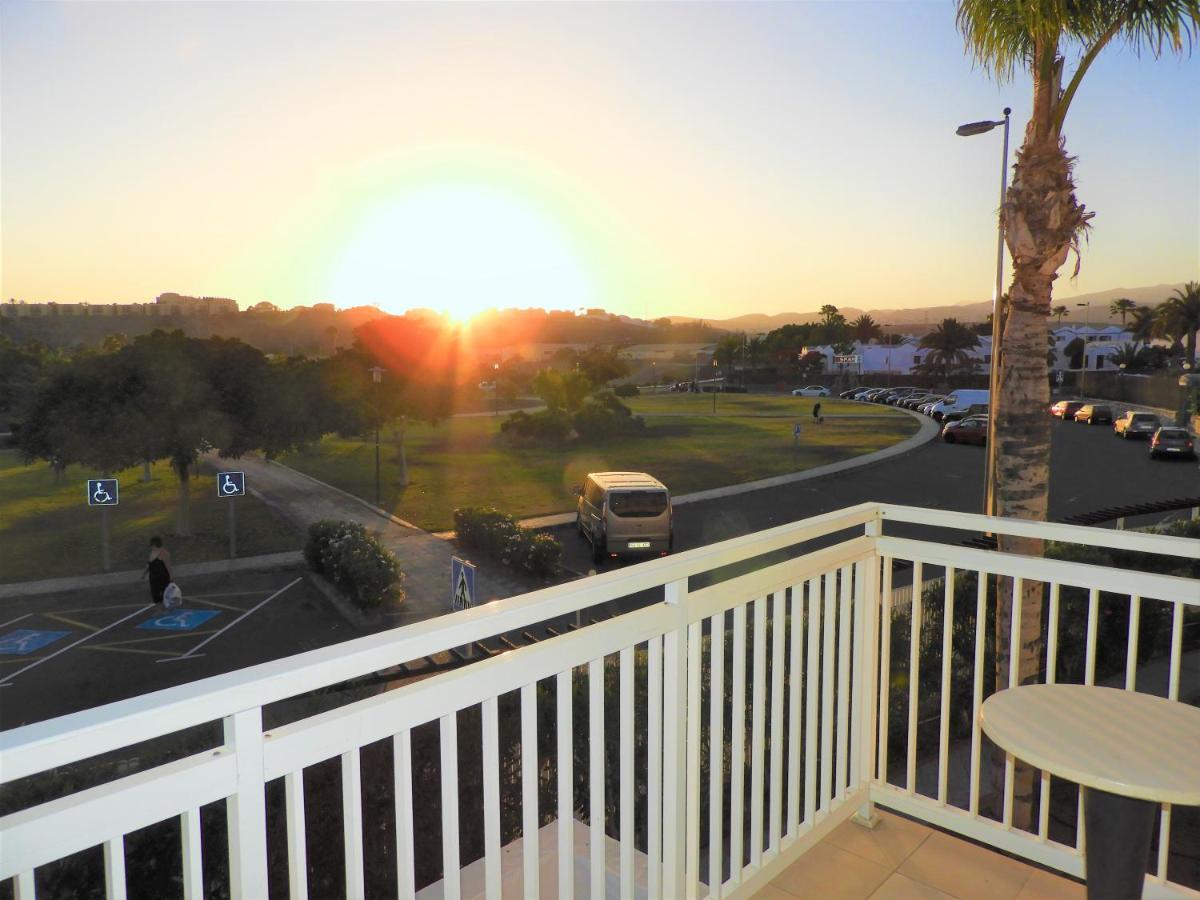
899	359
1101	342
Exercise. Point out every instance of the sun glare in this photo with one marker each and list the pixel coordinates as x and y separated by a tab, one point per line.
459	248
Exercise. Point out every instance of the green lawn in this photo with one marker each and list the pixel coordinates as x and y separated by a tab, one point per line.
460	463
754	405
47	530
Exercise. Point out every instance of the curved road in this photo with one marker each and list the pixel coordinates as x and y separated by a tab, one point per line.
1089	469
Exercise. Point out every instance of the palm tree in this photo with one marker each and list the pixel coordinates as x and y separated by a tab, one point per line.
1043	223
755	347
1058	312
864	329
1145	325
1179	317
1131	356
1122	307
948	344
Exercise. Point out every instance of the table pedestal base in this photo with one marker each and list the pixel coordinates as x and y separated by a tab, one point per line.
1118	833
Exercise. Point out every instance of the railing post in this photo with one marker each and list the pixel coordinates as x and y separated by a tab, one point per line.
674	745
869	606
247	809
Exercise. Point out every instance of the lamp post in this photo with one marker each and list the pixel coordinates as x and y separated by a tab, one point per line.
1185	395
969	130
1087	325
377	378
495	389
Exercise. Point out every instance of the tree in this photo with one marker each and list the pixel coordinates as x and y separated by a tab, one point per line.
1179	317
729	348
948	344
864	329
1043	223
1058	312
833	328
1143	326
755	348
1074	352
1131	356
1122	307
600	366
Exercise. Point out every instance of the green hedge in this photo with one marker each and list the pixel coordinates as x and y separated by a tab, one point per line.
346	554
497	535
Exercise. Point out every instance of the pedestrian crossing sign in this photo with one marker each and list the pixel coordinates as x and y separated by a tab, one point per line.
462	583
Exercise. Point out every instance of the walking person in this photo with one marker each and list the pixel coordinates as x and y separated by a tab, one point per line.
817	412
157	569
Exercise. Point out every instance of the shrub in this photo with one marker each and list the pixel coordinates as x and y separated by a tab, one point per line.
547	425
604	415
627	390
498	535
353	560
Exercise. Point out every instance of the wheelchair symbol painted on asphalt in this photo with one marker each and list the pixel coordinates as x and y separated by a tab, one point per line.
25	640
102	492
179	620
231	484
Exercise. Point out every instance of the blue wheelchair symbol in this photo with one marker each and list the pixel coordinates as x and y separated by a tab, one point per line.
25	640
179	620
231	484
102	492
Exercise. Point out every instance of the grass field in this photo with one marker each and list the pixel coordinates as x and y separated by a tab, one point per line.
48	531
461	463
753	405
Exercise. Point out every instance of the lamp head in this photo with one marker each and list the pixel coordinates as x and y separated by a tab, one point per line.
974	128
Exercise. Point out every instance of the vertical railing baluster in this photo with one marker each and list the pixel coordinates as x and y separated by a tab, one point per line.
451	876
695	635
812	674
716	752
885	666
529	791
977	688
1014	678
25	886
737	754
193	865
778	626
844	649
675	660
247	810
352	833
490	761
914	676
757	720
654	732
947	653
1131	647
795	683
628	741
406	869
114	868
1164	823
1089	673
1051	677
596	775
828	661
297	842
564	729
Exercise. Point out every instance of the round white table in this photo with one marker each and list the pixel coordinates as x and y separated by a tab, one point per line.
1128	752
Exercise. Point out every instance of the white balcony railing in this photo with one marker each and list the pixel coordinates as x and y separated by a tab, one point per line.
755	694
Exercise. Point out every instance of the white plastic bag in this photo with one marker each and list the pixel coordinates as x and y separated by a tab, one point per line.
172	596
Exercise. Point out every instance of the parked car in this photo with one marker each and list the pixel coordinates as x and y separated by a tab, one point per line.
915	400
1172	442
849	395
975	409
859	392
958	402
927	407
1094	414
624	513
1136	424
812	390
1066	409
902	393
971	430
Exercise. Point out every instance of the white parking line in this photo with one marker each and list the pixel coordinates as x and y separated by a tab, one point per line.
86	637
17	619
191	653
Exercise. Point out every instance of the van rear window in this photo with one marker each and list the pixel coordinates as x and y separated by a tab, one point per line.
637	504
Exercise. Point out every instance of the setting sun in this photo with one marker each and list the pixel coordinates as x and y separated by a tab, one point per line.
459	248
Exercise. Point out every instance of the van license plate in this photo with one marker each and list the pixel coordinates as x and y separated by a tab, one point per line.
639	545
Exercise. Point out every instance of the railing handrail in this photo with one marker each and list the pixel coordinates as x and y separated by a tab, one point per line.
40	746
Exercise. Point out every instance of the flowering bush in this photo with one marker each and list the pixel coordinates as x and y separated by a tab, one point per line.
353	560
498	535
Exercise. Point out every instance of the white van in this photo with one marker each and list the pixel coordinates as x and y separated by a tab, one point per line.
958	402
624	513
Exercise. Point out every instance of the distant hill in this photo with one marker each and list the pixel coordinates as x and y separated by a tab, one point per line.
909	317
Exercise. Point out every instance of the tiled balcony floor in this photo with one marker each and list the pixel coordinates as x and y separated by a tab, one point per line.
905	860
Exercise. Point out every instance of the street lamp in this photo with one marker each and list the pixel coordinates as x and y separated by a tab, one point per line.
1087	326
377	378
969	130
496	389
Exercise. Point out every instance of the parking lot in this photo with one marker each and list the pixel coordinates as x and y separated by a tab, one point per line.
60	653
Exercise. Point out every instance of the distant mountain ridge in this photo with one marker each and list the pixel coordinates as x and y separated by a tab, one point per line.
898	319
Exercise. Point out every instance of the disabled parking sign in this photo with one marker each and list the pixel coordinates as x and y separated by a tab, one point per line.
179	620
102	492
25	640
231	484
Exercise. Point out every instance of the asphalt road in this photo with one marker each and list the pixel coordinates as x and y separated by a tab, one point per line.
1090	469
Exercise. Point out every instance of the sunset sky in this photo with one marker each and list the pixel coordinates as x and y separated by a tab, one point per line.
672	159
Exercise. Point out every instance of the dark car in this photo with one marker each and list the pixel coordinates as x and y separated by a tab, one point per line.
847	395
1170	441
1066	409
972	430
1094	414
1136	424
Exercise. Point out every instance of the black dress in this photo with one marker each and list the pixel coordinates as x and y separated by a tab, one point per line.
160	577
